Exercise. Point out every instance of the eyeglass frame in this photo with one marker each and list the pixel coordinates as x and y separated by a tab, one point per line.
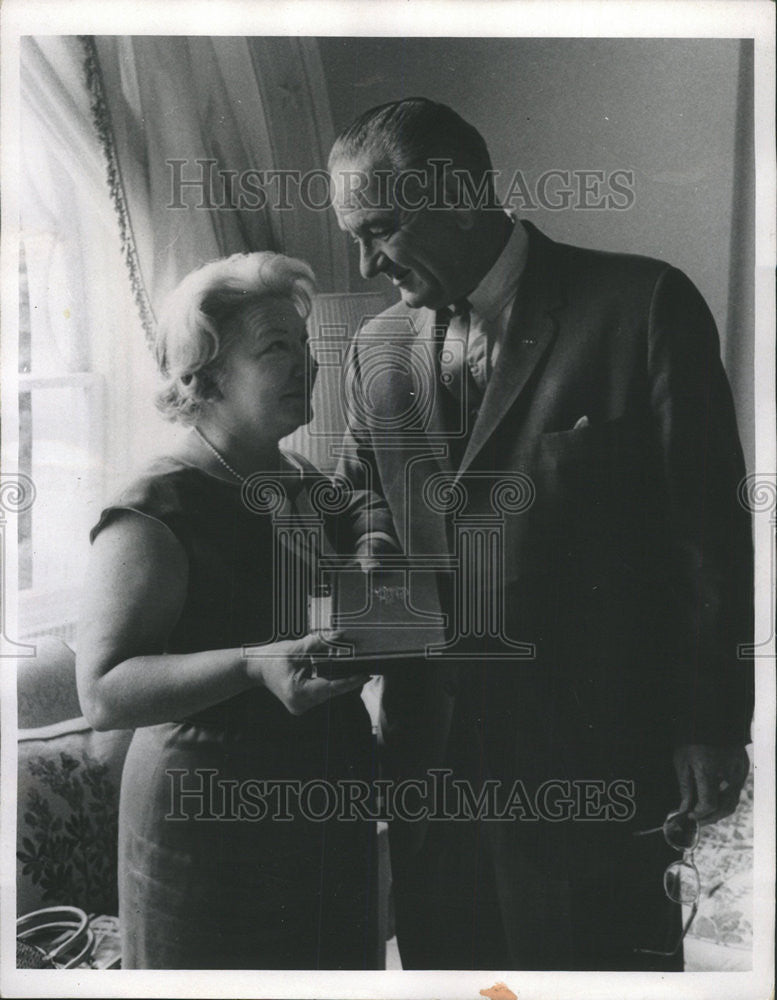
687	858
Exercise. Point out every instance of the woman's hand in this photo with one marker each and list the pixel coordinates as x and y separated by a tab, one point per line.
286	669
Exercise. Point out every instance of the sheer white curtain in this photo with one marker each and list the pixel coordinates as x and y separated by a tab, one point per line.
101	120
184	121
86	377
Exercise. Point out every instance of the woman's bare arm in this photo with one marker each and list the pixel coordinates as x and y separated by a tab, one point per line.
135	591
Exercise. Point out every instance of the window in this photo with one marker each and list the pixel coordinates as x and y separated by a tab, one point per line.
86	377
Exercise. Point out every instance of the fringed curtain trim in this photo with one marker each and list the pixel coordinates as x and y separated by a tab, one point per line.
102	122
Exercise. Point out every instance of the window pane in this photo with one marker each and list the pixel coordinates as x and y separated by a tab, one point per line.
64	475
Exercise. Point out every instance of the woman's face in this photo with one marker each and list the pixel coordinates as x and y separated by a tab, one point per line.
268	374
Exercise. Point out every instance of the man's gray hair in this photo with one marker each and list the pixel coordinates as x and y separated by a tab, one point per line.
407	134
200	319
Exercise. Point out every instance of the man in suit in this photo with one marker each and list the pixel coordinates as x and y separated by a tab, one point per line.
619	586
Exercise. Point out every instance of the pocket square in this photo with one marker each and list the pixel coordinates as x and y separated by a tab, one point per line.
582	422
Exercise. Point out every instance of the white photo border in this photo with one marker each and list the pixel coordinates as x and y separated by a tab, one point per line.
562	19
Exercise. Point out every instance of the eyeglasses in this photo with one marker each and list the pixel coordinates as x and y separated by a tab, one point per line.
681	879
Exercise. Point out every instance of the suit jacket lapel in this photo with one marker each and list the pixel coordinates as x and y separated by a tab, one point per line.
530	332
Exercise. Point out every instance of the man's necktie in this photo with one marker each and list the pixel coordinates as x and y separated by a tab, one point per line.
463	360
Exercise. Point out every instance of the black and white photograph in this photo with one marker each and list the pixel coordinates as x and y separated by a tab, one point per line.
389	499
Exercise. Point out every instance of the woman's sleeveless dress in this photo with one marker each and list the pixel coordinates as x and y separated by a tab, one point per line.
219	867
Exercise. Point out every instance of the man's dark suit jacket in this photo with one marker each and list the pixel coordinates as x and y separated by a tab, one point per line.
631	571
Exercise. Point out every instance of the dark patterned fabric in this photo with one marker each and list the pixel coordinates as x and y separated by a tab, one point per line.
68	800
71	856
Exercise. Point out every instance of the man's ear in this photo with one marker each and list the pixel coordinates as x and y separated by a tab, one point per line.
451	193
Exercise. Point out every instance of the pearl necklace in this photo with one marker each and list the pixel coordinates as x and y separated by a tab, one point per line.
217	454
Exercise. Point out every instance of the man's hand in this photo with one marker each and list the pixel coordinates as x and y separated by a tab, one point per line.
368	563
372	546
710	780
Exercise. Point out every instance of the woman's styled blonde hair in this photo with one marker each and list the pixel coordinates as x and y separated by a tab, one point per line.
200	319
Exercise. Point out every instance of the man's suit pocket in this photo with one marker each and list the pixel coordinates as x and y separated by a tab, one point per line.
608	441
589	483
588	480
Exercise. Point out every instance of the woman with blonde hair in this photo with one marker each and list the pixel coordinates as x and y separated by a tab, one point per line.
219	865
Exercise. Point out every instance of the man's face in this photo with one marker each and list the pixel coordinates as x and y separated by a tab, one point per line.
423	251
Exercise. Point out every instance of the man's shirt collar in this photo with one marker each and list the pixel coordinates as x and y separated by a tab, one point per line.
499	285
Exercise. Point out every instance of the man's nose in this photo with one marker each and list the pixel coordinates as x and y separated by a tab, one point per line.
371	261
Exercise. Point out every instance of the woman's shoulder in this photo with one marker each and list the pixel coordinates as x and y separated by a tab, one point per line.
167	490
166	482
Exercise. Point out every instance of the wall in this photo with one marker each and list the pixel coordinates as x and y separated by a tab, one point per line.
666	109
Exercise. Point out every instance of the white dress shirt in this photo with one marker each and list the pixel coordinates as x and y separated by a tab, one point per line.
491	304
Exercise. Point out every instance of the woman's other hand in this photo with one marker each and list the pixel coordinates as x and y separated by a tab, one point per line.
286	669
